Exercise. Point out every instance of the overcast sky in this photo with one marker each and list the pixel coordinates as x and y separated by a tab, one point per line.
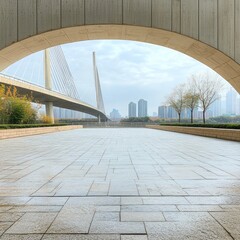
128	71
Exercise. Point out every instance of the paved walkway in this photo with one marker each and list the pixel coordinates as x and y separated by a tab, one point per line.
128	184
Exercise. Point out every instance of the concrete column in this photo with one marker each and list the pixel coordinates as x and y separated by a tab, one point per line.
49	111
47	70
48	83
99	118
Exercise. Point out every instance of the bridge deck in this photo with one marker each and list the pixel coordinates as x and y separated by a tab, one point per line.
119	184
42	95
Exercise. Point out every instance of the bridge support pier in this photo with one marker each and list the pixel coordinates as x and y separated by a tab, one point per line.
49	111
48	84
99	118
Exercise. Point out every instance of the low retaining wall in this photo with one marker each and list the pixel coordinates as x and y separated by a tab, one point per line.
227	134
21	132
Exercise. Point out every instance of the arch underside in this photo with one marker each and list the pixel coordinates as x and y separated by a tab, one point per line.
213	58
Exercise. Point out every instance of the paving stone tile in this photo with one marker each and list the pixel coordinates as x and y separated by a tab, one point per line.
107	216
149	208
164	200
10	217
134	237
131	200
231	222
214	200
121	188
4	226
142	217
199	208
186	230
117	227
99	188
80	237
21	237
35	208
5	209
187	216
73	220
107	208
32	223
48	201
230	208
97	201
13	200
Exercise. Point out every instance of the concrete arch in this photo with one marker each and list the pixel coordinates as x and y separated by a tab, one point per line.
207	30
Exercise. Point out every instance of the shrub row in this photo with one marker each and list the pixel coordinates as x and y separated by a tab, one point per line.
14	126
227	126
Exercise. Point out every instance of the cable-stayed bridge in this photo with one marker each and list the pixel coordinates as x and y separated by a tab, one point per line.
59	89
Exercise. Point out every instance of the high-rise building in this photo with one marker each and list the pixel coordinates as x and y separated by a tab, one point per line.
195	113
167	112
216	107
171	113
61	113
185	113
142	108
132	109
162	111
231	102
238	106
115	115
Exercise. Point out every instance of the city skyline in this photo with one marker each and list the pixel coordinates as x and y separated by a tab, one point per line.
227	105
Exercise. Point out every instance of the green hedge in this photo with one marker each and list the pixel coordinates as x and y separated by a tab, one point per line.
226	126
14	126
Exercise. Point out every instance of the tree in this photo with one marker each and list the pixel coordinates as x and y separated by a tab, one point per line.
5	105
17	112
191	97
176	100
15	108
208	88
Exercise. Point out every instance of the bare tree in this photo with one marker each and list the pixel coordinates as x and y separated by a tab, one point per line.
176	100
208	88
191	97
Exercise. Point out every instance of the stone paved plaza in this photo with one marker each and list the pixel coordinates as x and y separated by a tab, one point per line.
125	184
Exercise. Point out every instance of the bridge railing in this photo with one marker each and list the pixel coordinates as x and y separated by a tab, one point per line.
114	124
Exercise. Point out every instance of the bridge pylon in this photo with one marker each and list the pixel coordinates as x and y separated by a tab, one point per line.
99	98
48	84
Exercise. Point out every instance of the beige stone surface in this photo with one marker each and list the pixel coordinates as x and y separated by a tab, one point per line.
21	132
204	53
227	134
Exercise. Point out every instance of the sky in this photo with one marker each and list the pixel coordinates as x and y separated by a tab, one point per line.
128	71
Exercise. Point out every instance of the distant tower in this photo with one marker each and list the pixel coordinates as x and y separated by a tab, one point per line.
163	112
231	102
132	109
142	108
171	113
216	107
115	115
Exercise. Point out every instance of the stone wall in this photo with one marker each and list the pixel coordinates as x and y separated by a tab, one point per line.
227	134
21	132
